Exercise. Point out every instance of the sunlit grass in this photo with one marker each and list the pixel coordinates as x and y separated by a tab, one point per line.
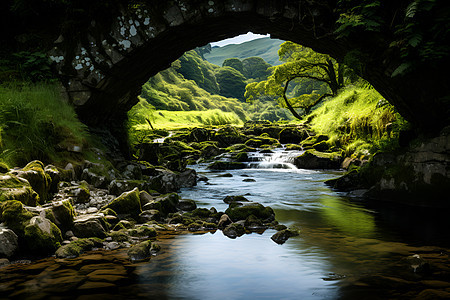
359	119
33	121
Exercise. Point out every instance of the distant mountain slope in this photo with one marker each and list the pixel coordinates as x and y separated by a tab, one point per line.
265	48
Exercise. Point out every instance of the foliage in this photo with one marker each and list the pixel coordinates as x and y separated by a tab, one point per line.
300	63
359	120
256	68
358	16
231	82
193	67
26	66
235	63
35	122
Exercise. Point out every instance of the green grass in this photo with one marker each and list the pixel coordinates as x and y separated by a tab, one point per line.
35	123
360	120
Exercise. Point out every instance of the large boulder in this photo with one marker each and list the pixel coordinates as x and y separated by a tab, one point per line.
14	215
127	204
318	160
41	236
16	188
291	135
90	226
64	214
8	242
39	180
166	181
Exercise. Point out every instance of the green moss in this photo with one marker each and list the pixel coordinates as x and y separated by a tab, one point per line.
40	242
126	204
143	231
38	179
140	252
119	236
14	215
14	188
243	212
108	212
75	248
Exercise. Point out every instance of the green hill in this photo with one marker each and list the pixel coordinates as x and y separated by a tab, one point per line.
265	48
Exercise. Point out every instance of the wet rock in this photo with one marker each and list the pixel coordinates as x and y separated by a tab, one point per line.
64	214
237	213
142	231
8	242
98	181
253	223
16	188
149	215
132	171
224	221
168	203
90	226
282	236
127	204
292	136
75	248
81	192
186	205
38	179
55	176
233	199
145	198
41	236
140	252
317	160
234	230
249	180
120	186
14	215
187	178
225	175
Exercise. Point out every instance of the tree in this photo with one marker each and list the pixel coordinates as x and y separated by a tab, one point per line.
301	63
231	83
235	63
256	68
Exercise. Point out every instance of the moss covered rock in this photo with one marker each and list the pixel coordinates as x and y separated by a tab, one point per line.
291	135
312	159
14	215
4	168
242	212
140	252
168	203
16	188
75	248
127	204
41	236
234	230
261	140
64	214
38	179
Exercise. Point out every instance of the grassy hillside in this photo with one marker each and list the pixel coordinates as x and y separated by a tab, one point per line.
265	48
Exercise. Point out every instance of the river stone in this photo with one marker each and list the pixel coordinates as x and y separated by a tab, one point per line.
64	214
317	160
17	188
242	212
8	242
90	226
38	179
282	236
145	197
55	176
41	236
224	221
186	205
127	204
98	181
234	230
149	215
140	252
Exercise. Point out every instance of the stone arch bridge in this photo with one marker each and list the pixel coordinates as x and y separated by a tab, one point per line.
103	58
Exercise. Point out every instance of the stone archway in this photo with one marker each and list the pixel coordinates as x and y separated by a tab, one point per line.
104	61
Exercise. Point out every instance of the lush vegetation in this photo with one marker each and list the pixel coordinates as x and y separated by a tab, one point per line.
36	124
359	121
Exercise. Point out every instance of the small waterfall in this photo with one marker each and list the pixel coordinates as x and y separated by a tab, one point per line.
279	159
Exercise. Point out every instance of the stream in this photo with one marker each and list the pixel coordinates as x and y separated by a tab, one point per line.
341	239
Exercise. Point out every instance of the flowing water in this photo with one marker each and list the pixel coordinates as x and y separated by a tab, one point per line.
340	239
